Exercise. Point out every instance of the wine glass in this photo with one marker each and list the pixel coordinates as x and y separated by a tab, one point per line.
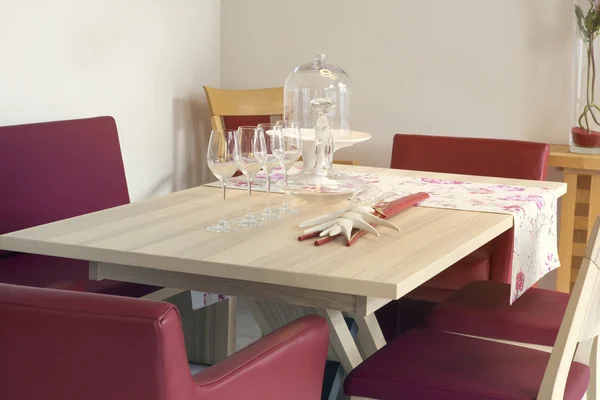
222	158
292	143
252	157
275	150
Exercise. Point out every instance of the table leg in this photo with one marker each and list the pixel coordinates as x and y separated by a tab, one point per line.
343	348
209	332
369	335
567	225
341	339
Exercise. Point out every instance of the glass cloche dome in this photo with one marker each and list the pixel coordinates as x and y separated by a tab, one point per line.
317	98
317	87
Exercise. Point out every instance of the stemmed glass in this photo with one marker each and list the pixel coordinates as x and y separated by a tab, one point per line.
275	150
222	159
253	155
292	143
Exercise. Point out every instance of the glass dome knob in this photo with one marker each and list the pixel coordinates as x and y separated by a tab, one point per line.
318	59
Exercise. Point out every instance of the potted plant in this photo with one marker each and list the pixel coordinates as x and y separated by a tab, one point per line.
585	135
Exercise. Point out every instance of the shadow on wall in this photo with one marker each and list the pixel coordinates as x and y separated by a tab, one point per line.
191	132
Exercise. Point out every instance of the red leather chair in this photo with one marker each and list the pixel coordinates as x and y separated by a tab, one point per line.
424	364
52	171
433	364
483	309
468	156
58	345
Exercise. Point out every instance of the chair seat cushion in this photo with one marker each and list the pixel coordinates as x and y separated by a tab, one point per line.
425	364
483	309
44	271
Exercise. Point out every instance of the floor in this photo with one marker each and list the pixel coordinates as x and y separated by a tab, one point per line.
247	329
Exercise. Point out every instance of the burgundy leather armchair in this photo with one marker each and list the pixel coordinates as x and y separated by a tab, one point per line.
52	171
471	156
98	347
468	156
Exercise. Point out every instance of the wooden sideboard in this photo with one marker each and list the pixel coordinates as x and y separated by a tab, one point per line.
579	208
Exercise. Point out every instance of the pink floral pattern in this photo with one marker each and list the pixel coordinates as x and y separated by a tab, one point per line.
520	284
442	181
535	250
507	188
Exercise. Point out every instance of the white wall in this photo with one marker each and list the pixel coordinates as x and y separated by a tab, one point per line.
142	61
462	68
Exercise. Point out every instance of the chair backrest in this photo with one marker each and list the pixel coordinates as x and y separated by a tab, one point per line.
57	170
233	108
92	347
471	156
581	322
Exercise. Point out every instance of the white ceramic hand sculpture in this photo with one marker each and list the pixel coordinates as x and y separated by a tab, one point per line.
343	221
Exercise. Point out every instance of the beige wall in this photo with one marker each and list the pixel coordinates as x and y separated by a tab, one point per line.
463	67
142	61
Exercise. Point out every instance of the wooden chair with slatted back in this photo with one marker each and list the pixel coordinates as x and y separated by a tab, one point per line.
581	325
230	109
256	105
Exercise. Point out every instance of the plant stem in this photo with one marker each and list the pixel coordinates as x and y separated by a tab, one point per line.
592	55
592	60
587	123
587	84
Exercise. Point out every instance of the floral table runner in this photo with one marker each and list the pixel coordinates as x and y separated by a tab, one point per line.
535	251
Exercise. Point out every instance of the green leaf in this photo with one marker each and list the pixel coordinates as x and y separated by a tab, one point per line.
579	14
590	22
593	20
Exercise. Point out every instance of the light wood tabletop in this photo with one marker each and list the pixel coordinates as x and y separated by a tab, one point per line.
163	241
168	233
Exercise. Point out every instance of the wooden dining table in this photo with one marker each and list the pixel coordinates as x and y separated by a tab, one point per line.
163	241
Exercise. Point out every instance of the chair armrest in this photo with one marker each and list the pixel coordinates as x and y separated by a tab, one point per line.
286	364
